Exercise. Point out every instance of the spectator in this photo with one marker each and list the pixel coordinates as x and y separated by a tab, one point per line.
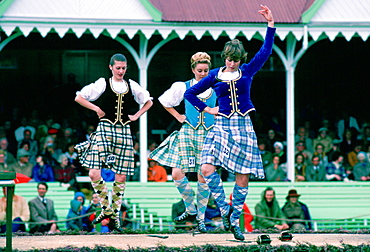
65	174
42	171
19	133
335	146
300	167
268	212
124	216
74	220
274	171
367	150
84	221
33	145
352	156
151	146
248	217
271	139
348	141
94	208
265	154
156	173
136	175
302	136
67	139
365	136
320	152
296	210
42	210
3	165
22	166
178	209
347	122
301	149
21	213
9	158
361	170
315	171
323	138
335	170
279	151
212	215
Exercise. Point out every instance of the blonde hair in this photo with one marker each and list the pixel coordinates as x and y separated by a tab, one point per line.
234	50
200	58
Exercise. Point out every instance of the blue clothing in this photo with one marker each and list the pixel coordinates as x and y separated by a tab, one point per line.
74	212
85	220
43	173
332	169
196	118
234	95
108	175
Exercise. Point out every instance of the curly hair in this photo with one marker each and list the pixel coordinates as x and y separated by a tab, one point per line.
200	58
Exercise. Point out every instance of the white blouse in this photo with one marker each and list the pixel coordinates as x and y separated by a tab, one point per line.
227	76
175	94
94	90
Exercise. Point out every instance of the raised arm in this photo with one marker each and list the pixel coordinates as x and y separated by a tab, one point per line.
266	13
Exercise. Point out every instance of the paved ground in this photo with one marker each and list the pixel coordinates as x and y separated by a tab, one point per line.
175	240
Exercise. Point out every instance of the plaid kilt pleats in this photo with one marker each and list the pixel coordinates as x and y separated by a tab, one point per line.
107	140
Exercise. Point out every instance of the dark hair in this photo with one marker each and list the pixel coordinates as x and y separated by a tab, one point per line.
117	57
44	159
42	183
300	154
234	50
336	155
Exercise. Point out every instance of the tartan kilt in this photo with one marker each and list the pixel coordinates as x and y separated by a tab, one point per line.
182	149
108	139
232	145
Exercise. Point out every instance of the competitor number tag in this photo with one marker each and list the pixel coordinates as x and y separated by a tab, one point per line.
191	161
111	159
226	152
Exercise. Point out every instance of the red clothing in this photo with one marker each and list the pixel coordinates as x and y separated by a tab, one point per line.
157	173
248	217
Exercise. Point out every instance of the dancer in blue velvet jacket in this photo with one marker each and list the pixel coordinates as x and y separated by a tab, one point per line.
232	142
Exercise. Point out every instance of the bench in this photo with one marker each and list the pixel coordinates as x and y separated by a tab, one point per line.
332	205
60	195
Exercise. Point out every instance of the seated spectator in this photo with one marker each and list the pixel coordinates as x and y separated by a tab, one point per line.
268	212
335	170
124	216
85	222
265	154
212	215
21	213
346	145
367	152
94	208
42	172
156	173
301	149
9	157
274	171
315	171
178	209
22	166
74	220
42	211
320	152
324	139
3	164
248	217
300	167
65	174
279	151
296	210
33	145
352	156
361	170
302	137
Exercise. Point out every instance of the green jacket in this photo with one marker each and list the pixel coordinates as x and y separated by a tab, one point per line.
261	209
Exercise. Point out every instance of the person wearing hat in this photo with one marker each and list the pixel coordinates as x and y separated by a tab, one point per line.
296	210
23	165
268	212
156	173
279	151
324	139
117	102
